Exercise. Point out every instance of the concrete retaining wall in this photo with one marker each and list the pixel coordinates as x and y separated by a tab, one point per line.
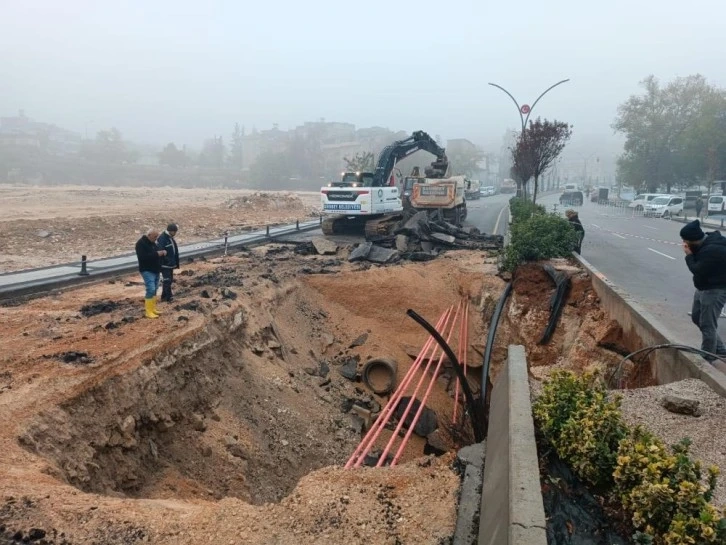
512	511
669	365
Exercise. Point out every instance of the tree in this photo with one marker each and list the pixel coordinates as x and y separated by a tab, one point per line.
673	133
363	161
212	153
537	148
270	169
464	158
108	147
173	156
236	159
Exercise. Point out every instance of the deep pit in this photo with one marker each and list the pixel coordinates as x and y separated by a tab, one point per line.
230	408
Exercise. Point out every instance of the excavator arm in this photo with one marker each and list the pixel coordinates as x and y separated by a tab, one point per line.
418	141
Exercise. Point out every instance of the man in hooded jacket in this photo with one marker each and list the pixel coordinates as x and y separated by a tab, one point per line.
706	259
169	261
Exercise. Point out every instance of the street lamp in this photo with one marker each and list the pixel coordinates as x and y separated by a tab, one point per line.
526	109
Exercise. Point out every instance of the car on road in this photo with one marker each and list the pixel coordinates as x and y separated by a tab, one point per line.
716	204
664	206
640	200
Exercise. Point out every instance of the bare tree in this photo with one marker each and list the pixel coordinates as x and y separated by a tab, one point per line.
537	148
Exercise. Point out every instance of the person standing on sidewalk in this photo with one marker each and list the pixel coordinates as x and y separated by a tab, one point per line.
706	259
699	207
169	261
149	257
576	224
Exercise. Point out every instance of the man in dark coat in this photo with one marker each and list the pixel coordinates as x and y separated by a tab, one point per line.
699	207
706	259
169	261
576	224
149	257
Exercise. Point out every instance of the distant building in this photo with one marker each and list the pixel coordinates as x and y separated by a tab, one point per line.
21	132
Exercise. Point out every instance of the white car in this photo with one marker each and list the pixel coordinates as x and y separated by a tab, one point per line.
716	204
664	206
642	199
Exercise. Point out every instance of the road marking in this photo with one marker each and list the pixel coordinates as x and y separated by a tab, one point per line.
595	225
621	236
499	218
661	253
649	227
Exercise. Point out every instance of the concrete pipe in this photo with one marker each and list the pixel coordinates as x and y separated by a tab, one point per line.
379	374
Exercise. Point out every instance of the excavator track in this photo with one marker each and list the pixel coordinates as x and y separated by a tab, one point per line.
328	226
381	226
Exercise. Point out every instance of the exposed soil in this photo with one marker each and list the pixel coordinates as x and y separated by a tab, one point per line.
215	423
585	339
45	226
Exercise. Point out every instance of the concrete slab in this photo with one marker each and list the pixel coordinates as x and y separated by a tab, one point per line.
467	517
512	510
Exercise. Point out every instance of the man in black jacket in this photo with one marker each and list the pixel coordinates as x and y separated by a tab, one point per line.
149	257
169	261
706	259
576	224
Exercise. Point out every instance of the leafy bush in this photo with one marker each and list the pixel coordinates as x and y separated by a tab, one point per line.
540	236
584	426
522	209
661	488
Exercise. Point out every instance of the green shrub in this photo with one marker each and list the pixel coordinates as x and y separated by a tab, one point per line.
522	209
660	488
540	236
583	425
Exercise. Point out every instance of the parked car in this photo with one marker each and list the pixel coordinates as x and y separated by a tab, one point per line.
640	200
716	204
664	206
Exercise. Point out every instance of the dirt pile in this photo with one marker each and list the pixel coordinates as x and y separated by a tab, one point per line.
275	201
192	426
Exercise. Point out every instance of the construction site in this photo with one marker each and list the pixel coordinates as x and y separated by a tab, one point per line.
362	375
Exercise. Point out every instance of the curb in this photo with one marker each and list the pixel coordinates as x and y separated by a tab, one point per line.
512	510
670	365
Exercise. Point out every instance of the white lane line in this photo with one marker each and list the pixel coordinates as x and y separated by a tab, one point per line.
661	253
499	218
621	236
649	227
595	225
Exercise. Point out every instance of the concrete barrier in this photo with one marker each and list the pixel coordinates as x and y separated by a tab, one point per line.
512	510
669	365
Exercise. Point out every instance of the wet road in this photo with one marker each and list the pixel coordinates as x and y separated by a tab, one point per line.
644	257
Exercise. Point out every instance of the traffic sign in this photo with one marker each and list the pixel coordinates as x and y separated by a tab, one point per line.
525	108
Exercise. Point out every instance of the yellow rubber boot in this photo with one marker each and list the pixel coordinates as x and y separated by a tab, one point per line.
149	306
153	307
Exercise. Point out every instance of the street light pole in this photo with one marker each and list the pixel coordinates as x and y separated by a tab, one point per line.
525	109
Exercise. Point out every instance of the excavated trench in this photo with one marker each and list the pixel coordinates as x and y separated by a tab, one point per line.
261	393
256	399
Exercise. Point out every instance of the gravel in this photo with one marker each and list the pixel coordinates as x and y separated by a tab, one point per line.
642	407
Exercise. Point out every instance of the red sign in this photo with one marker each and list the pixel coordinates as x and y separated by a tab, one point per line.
525	108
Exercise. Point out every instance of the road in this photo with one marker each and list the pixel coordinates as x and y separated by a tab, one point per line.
644	257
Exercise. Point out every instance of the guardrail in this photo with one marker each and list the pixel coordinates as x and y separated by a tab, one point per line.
35	281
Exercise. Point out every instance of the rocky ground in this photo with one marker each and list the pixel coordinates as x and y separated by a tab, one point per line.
44	226
227	419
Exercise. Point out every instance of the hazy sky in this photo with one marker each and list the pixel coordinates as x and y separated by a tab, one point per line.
177	70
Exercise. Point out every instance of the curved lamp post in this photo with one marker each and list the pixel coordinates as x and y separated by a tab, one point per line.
525	109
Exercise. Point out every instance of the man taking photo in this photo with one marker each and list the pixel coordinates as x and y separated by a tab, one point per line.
706	259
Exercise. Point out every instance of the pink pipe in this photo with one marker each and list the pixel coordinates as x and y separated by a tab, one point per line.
413	396
421	406
428	353
370	437
458	355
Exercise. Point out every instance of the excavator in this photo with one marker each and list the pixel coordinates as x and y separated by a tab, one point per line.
372	199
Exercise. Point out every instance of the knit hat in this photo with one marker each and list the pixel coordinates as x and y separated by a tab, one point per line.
172	227
692	232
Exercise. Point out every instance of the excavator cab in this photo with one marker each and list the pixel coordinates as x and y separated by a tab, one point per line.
355	179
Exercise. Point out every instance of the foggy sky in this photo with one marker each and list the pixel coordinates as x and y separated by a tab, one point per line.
181	71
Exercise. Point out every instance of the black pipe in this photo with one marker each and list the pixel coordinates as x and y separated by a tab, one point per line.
490	345
478	431
557	303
